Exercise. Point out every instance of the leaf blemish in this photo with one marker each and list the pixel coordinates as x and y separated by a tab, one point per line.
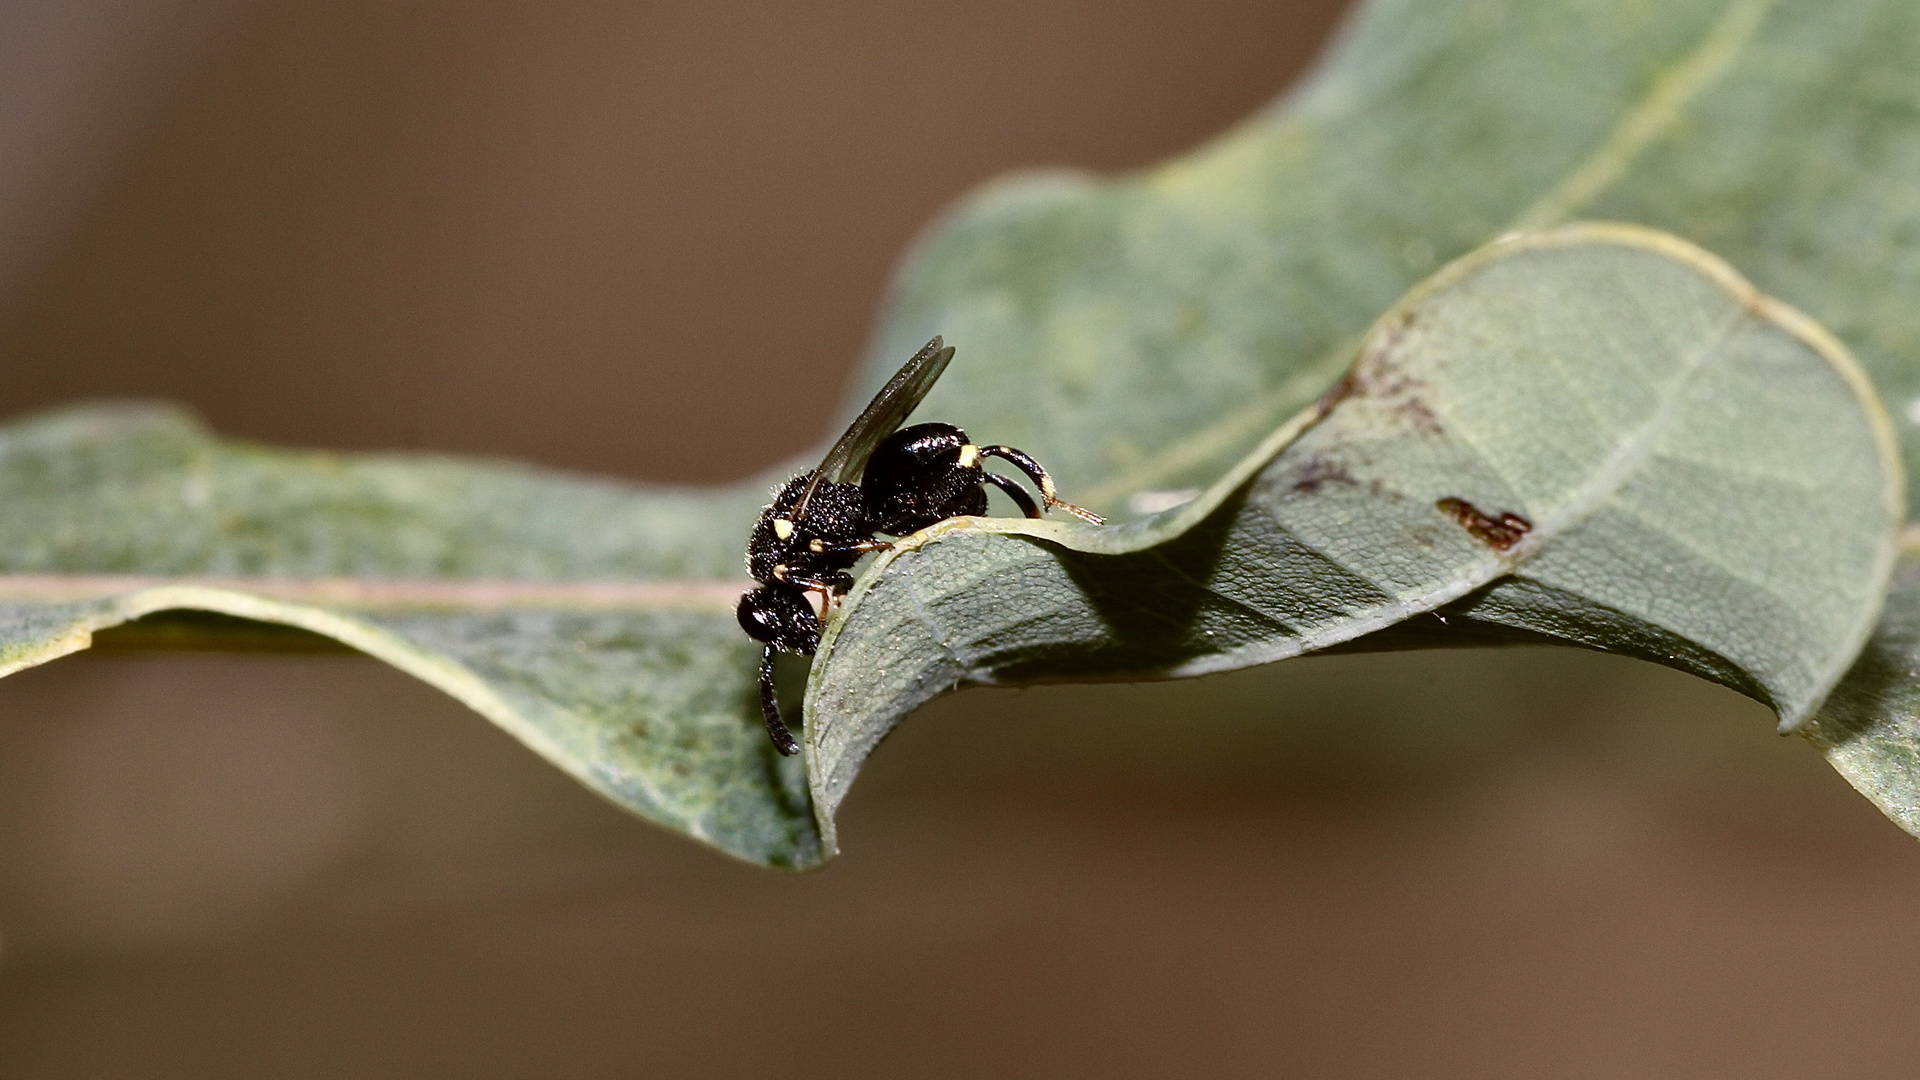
1377	375
1398	391
1320	471
1335	394
1498	533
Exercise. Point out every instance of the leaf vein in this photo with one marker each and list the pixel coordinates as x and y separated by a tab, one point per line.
1651	116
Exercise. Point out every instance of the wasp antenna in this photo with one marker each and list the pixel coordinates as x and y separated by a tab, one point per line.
770	708
1080	512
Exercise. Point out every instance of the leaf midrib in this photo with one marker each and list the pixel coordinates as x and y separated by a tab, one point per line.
1649	117
396	594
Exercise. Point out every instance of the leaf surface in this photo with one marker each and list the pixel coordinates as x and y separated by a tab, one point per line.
1870	728
592	620
1144	337
1598	435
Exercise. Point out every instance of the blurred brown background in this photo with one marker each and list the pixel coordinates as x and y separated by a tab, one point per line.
606	236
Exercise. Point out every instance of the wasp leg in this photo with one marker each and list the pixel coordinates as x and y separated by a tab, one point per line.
830	581
829	586
770	708
1040	478
857	547
1014	491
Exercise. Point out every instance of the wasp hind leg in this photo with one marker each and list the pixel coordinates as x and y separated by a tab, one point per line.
783	740
1039	476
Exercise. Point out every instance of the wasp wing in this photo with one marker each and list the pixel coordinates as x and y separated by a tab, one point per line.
881	418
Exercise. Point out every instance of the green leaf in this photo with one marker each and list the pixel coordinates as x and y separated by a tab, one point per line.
1870	728
591	620
1158	327
1599	435
1142	335
1139	336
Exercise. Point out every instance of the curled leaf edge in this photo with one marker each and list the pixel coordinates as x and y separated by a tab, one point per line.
1141	534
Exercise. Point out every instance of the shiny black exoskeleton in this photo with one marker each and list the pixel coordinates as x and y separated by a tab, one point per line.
878	478
931	472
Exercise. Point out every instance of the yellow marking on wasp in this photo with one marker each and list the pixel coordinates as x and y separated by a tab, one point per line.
969	456
782	528
816	546
780	571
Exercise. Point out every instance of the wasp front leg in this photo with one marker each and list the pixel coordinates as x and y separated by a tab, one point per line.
848	547
828	586
1014	491
1041	480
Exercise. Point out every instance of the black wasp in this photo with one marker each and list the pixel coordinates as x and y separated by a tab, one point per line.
879	478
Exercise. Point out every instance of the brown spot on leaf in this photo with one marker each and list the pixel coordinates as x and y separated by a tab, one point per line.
1320	471
1338	393
1417	415
1380	375
1498	533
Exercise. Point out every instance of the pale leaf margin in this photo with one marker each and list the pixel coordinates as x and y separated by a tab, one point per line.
105	601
